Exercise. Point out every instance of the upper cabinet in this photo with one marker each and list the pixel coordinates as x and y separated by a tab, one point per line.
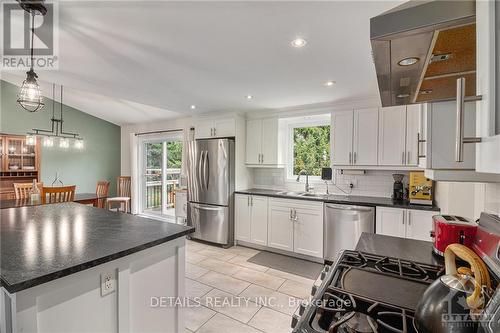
488	86
354	138
398	136
437	127
215	128
391	137
263	146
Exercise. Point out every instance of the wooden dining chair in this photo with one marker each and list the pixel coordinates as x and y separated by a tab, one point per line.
22	190
102	190
123	192
58	194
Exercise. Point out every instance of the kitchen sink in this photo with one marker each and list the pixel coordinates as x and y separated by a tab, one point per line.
291	193
313	195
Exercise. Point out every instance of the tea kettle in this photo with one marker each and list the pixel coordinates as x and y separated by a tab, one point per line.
451	302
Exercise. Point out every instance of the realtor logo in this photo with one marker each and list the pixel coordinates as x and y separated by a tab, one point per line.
16	37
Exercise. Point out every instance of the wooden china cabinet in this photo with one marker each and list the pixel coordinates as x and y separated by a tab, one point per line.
19	163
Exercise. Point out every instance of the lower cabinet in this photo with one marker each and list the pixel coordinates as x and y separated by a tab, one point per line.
250	216
296	225
406	223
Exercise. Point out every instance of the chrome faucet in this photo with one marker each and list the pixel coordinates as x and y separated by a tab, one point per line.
308	187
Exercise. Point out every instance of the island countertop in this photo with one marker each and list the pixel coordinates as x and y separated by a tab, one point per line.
403	248
43	243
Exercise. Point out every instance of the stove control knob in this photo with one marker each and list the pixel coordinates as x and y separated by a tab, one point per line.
325	270
313	290
302	308
295	320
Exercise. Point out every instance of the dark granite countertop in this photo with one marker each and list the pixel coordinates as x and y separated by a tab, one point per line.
409	249
342	199
43	243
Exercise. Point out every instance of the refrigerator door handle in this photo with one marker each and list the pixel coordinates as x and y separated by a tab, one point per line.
207	170
200	207
200	166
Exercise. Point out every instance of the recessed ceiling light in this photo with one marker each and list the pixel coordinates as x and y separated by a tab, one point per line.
403	95
329	83
193	107
299	42
248	96
408	61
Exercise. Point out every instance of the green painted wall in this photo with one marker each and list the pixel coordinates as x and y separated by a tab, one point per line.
99	160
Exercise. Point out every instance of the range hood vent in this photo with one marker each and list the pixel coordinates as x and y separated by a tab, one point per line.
420	48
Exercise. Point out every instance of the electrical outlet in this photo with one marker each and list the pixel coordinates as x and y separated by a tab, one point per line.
108	282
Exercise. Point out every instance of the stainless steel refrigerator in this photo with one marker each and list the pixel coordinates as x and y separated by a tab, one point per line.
210	190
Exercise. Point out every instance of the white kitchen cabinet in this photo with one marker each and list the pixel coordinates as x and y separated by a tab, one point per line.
308	231
263	146
296	225
250	216
390	222
280	227
342	129
365	146
254	141
405	223
488	86
258	220
391	136
242	217
419	224
354	138
215	128
412	126
204	129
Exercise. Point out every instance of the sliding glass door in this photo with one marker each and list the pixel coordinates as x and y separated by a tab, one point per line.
161	168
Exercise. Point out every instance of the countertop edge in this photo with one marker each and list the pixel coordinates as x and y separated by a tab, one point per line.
346	202
13	288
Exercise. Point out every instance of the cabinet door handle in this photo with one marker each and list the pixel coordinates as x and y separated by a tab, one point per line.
408	158
354	158
403	158
248	201
291	214
262	158
295	217
215	131
251	201
459	124
350	158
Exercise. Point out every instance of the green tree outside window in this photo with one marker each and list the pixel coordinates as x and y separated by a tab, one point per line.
311	149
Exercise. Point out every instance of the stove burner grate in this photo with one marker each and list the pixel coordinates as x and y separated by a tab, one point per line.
405	269
341	311
356	259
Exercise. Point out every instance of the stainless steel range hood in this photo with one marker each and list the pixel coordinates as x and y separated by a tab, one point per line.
420	48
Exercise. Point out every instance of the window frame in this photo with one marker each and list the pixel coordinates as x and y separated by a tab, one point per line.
300	122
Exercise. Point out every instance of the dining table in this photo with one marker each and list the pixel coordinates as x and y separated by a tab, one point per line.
81	198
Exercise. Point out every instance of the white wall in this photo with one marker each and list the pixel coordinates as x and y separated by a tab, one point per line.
468	199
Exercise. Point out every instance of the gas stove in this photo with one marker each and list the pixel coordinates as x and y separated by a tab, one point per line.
353	296
364	292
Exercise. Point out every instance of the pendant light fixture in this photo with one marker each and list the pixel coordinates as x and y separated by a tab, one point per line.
30	97
56	131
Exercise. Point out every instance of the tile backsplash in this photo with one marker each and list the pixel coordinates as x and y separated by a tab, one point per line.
492	198
372	183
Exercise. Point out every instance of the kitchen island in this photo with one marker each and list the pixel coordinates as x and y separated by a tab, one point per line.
73	268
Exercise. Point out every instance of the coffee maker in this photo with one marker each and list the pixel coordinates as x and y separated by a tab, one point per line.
398	187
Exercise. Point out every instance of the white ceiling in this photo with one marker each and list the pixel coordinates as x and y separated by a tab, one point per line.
142	61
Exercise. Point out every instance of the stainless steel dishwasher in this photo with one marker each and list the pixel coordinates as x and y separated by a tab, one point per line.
343	226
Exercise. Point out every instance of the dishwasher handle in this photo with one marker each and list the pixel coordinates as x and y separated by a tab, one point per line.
349	207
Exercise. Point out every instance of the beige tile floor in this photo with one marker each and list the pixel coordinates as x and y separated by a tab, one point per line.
229	294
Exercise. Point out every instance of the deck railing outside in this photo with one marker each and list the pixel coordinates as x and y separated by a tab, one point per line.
154	187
